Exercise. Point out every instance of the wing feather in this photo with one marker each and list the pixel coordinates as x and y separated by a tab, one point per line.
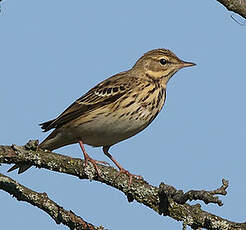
104	93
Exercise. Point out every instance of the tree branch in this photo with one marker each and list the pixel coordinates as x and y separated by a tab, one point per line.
158	199
206	196
237	6
42	201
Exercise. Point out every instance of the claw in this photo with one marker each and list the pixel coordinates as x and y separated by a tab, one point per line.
95	162
123	171
88	158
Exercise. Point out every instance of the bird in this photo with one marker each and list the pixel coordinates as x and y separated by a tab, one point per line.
114	110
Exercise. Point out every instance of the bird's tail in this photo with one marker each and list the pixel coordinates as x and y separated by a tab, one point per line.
45	127
22	168
53	141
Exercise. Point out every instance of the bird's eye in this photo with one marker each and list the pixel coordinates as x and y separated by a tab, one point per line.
163	61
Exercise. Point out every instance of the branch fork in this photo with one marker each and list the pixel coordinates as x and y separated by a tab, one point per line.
165	200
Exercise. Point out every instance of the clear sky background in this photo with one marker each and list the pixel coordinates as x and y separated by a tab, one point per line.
52	52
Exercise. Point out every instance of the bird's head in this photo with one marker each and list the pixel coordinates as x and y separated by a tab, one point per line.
160	64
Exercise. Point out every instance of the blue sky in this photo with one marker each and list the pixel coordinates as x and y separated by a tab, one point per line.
52	52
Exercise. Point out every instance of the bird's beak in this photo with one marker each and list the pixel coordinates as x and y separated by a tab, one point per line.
186	64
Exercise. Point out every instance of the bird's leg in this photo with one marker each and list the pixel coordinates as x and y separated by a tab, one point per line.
88	158
122	170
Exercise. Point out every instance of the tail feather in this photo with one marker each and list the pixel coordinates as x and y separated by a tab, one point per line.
50	143
22	168
46	126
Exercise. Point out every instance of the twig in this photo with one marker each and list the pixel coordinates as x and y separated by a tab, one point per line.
206	196
140	190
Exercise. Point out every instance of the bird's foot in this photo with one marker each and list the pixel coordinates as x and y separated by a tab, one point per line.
88	158
95	162
124	171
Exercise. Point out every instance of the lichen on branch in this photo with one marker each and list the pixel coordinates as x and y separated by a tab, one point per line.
162	200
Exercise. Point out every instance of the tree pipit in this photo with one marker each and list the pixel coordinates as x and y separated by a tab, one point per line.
115	109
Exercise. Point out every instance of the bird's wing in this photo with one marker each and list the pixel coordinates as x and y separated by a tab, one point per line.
102	94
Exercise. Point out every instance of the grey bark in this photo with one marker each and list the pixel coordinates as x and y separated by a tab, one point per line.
163	200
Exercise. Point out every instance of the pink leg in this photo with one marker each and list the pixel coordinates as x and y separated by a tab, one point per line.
88	158
122	170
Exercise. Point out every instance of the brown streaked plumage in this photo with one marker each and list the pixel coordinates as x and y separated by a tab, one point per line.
115	109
